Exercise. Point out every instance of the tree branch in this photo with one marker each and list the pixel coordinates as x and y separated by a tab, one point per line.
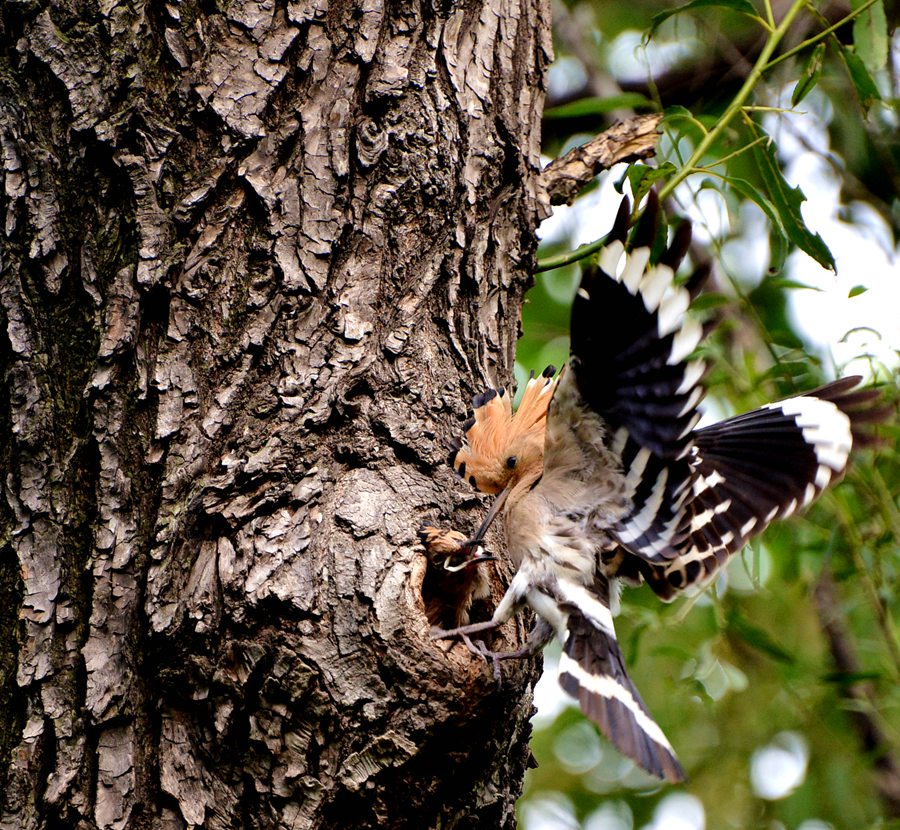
629	140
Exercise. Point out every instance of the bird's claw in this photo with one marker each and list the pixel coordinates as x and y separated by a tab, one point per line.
491	657
478	647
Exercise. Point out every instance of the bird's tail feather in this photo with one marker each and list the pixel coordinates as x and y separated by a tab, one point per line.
592	670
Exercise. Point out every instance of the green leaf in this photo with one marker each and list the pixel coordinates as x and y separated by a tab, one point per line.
677	111
786	201
857	290
862	80
870	35
742	6
850	678
784	282
599	106
676	114
677	652
810	75
642	178
709	299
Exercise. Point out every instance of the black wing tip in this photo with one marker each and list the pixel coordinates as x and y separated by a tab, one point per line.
678	247
836	387
622	223
697	279
649	223
549	372
865	406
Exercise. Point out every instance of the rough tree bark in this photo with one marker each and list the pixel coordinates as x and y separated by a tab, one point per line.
256	256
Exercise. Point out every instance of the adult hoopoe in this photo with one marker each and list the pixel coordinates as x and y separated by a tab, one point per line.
602	476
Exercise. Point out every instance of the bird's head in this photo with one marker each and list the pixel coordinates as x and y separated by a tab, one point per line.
500	448
451	550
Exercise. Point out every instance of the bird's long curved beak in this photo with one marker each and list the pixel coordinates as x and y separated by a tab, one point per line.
492	514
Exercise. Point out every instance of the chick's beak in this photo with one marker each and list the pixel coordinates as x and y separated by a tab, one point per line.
473	560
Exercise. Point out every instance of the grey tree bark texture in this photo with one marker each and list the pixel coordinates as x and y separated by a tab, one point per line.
256	257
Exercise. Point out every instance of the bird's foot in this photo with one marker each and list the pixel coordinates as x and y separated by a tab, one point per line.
462	633
494	657
535	643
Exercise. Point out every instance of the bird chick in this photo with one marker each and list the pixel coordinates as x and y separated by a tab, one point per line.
455	577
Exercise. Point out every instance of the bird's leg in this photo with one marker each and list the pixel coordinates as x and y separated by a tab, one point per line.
463	633
464	630
538	637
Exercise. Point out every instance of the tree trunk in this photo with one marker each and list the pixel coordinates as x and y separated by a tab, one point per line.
255	260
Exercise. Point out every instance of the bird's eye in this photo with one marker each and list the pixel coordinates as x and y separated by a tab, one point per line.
511	461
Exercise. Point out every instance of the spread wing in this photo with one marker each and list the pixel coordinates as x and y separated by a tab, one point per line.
693	496
764	465
631	340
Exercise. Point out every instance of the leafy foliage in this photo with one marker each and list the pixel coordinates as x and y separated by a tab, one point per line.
750	668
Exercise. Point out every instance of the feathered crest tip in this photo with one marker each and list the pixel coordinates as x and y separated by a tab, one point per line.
494	428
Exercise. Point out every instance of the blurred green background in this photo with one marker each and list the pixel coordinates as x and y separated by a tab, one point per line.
778	685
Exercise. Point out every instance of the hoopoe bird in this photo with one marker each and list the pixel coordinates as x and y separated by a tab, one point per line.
603	477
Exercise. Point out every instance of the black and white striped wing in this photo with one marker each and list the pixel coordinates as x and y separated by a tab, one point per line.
630	342
592	670
752	469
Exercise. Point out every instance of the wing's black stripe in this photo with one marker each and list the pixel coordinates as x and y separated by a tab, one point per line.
621	366
656	542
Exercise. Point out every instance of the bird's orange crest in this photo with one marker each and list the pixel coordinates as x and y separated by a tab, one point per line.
499	444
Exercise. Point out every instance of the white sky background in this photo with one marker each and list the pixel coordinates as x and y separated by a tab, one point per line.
843	330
